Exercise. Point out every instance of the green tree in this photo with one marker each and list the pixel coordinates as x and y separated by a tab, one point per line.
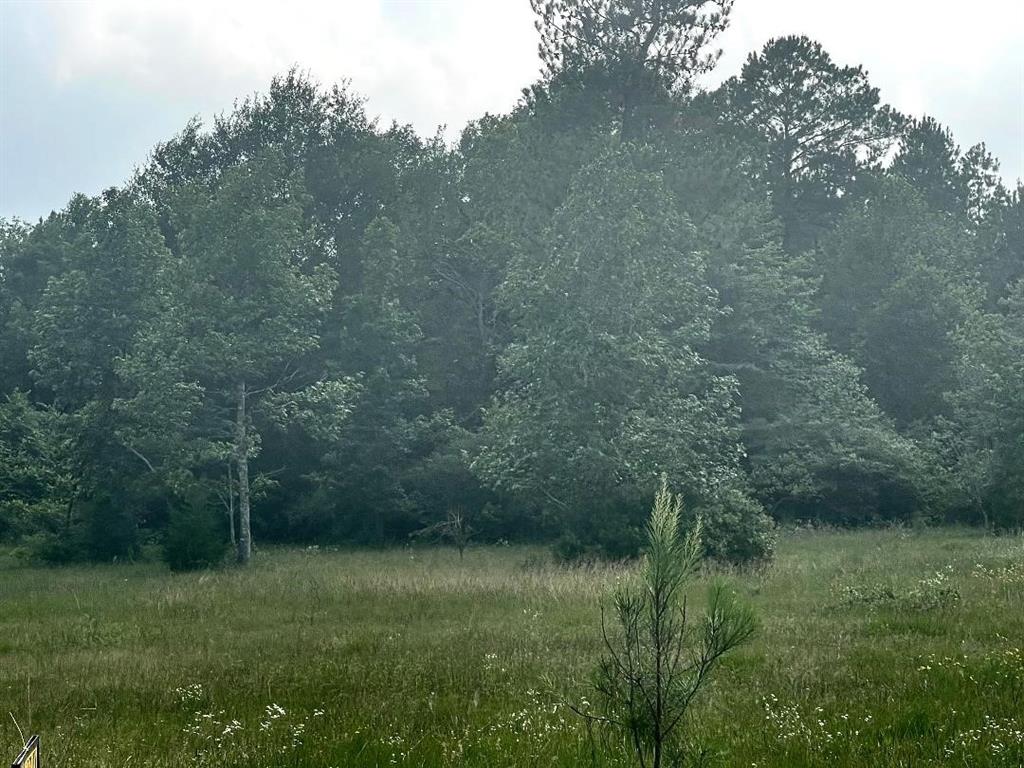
349	167
1001	244
87	316
644	49
39	478
820	124
601	385
961	184
29	257
904	341
816	444
987	428
364	466
13	351
897	280
493	196
236	313
80	324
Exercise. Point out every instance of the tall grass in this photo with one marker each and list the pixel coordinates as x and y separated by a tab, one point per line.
878	648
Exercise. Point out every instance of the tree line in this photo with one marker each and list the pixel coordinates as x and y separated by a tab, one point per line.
296	324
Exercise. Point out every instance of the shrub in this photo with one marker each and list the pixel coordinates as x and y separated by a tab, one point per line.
53	548
573	549
607	529
110	529
736	529
195	536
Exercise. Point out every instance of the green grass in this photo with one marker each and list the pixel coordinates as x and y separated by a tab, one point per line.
865	657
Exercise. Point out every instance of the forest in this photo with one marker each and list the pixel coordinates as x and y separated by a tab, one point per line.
294	324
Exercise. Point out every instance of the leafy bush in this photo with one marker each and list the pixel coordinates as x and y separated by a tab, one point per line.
572	549
607	532
110	529
195	537
52	548
736	529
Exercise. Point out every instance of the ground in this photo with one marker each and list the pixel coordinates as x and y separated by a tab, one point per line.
878	648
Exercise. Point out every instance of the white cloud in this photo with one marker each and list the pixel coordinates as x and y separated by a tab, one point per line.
963	64
130	72
443	61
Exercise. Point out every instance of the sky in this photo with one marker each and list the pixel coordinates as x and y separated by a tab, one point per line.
87	88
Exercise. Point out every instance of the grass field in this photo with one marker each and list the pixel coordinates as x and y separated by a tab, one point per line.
880	648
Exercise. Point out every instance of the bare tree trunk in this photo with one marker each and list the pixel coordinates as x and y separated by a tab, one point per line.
231	506
242	463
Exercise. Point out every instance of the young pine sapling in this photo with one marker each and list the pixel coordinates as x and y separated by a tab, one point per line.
659	656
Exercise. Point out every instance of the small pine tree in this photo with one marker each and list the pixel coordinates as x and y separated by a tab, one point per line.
659	657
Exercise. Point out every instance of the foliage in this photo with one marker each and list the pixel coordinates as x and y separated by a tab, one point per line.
644	48
240	308
658	657
894	310
812	435
735	528
111	529
780	293
602	386
965	185
820	124
987	428
608	529
195	537
37	469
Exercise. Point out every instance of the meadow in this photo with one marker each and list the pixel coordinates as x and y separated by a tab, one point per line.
875	648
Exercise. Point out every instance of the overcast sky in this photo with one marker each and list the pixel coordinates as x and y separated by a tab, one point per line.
89	87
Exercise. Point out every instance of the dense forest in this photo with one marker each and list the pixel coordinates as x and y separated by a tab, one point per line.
297	325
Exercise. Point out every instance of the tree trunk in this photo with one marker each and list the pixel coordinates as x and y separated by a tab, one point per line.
628	130
231	506
242	463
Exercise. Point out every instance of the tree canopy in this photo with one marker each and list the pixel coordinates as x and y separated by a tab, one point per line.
296	324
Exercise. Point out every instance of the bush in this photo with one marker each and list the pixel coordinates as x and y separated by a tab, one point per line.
53	548
312	516
103	528
611	531
736	529
195	536
110	529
